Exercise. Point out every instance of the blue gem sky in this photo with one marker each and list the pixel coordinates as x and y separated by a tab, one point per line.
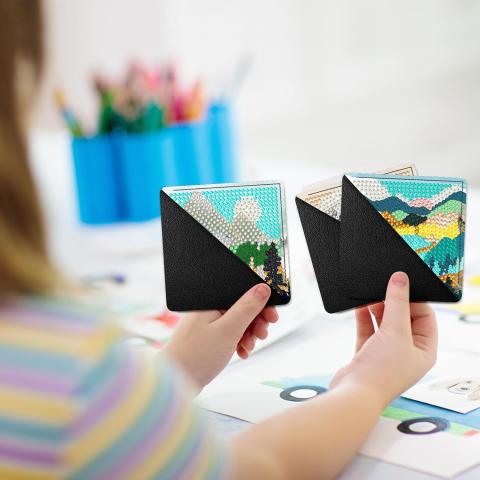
224	200
412	189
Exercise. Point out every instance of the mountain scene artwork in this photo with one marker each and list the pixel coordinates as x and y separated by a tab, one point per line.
248	220
428	213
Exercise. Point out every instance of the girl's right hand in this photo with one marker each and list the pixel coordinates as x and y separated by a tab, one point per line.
403	349
386	362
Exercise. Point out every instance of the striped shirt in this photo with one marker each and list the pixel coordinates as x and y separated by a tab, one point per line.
76	402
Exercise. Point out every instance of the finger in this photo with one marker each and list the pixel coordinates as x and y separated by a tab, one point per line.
421	309
424	326
262	332
423	319
260	329
396	315
364	326
247	333
205	316
237	319
260	317
247	341
249	345
250	328
270	314
241	352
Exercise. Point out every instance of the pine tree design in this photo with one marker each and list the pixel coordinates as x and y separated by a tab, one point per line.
273	268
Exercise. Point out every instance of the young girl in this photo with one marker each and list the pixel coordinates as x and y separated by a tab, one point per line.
75	402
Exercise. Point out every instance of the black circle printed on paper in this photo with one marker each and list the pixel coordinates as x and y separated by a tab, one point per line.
286	394
438	425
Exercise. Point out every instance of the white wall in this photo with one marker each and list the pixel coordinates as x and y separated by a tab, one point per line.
335	82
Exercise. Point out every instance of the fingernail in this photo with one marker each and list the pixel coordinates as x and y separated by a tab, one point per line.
262	291
400	279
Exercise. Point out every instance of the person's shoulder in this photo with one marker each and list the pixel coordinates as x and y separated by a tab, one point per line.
68	325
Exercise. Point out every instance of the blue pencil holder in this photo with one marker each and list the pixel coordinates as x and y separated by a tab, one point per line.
192	153
97	179
222	143
147	164
119	176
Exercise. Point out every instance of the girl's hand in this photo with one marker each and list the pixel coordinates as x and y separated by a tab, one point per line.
204	342
402	350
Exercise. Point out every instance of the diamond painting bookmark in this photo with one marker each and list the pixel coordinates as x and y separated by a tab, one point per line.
240	238
412	224
319	208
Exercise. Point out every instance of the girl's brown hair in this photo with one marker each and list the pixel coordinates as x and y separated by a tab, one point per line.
24	264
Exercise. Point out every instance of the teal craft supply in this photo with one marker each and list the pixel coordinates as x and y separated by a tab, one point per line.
153	118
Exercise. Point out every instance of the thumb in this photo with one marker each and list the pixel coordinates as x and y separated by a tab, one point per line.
396	315
237	319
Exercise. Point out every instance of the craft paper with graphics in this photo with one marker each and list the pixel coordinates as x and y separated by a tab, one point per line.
460	394
428	213
248	220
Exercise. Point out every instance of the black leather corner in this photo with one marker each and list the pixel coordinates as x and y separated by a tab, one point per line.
322	234
370	251
200	272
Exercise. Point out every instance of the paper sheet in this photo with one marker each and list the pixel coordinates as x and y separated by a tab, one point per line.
457	393
256	394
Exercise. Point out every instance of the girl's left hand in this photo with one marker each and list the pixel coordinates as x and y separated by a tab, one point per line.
204	342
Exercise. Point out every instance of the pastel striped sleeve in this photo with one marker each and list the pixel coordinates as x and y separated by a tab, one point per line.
136	420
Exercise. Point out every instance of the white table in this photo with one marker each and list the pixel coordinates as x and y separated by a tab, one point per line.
134	250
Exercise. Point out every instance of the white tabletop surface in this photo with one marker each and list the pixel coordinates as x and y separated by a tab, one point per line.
135	251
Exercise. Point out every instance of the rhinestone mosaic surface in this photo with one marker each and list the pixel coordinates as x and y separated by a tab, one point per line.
248	220
428	213
329	200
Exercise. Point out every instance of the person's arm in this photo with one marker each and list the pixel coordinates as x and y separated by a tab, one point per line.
315	440
319	438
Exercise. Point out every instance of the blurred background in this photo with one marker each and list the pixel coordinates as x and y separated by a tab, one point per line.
291	90
331	83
